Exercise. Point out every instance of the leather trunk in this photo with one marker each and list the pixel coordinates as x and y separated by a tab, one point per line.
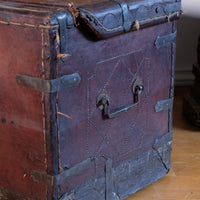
86	97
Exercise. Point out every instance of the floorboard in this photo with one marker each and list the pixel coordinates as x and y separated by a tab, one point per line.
183	180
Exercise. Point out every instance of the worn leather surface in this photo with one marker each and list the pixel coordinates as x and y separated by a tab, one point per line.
112	65
22	111
115	17
107	18
81	2
34	128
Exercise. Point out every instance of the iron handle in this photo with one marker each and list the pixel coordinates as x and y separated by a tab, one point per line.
103	101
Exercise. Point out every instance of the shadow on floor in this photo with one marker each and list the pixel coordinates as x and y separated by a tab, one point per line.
179	120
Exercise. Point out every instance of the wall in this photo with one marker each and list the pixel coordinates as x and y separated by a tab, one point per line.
188	31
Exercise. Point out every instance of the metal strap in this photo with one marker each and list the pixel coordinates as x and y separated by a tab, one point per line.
48	86
58	179
64	20
78	169
125	15
163	40
164	105
109	179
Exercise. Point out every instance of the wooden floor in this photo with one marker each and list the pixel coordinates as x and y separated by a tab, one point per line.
183	181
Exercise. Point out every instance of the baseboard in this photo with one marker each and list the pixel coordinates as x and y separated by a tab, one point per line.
184	77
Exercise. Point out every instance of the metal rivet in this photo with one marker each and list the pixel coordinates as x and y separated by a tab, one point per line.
3	120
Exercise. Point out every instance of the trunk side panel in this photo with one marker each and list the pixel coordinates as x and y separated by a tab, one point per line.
22	128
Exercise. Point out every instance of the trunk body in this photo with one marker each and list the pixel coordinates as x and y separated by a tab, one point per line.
86	97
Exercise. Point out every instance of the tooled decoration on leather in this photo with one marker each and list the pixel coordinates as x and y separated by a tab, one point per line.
104	136
22	20
110	23
28	25
100	22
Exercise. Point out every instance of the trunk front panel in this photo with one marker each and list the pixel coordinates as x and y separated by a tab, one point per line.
111	66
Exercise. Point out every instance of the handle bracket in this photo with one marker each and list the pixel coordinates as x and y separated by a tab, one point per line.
103	101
